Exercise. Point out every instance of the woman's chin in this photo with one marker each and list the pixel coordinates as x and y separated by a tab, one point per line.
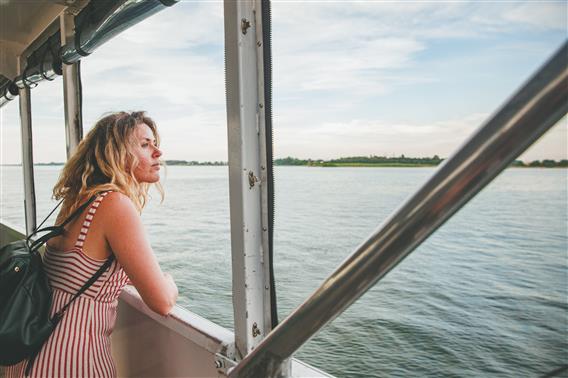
150	179
154	180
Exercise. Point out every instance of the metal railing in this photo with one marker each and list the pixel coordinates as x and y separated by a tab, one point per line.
527	115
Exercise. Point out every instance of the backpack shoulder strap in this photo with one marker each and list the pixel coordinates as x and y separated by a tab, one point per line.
88	219
54	231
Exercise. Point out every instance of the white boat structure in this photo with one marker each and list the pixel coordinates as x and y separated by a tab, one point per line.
42	39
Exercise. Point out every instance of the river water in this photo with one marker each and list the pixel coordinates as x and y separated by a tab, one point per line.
486	295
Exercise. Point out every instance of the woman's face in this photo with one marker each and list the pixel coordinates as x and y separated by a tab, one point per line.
148	154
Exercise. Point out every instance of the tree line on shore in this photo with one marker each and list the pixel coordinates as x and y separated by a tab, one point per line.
546	163
193	162
402	160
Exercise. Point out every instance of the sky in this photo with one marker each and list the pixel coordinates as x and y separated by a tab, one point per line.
350	78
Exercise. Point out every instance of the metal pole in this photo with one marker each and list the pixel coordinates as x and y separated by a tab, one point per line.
71	89
27	159
247	204
536	107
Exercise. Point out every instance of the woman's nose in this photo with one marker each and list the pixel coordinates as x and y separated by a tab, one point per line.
157	152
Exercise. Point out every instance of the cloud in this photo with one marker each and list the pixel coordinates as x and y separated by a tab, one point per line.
362	137
352	47
160	59
366	137
322	48
170	65
188	24
359	68
541	15
198	136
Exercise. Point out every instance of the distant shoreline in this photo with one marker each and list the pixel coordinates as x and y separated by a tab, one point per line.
371	161
401	162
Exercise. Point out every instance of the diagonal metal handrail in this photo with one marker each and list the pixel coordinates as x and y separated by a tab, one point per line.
527	115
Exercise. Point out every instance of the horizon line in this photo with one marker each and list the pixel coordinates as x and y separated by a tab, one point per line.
290	157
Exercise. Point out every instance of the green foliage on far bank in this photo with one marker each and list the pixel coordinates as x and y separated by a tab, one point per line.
364	161
400	161
548	163
193	162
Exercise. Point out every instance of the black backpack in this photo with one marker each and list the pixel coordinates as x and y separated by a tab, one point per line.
25	295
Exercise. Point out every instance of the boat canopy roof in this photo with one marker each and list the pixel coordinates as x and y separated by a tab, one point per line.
22	24
37	37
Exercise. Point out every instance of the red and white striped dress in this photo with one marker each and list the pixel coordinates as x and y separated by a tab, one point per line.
80	344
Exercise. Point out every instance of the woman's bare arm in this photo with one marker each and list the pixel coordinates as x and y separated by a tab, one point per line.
126	237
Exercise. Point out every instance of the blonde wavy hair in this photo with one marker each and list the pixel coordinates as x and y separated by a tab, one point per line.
104	161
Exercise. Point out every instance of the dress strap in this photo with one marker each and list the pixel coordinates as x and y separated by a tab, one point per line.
89	219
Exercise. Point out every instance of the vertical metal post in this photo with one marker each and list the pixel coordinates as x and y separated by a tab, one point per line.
71	90
27	159
261	119
244	122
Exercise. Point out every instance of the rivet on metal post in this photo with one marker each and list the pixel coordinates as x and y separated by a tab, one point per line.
252	179
255	330
245	25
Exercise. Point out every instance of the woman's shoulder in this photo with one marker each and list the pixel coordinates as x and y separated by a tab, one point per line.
116	202
120	219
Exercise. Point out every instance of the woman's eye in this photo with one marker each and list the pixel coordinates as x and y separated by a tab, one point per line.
145	144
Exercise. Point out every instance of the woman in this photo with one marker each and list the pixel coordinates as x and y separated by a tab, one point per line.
117	161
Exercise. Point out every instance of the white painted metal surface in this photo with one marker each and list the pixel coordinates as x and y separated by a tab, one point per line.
145	344
251	290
